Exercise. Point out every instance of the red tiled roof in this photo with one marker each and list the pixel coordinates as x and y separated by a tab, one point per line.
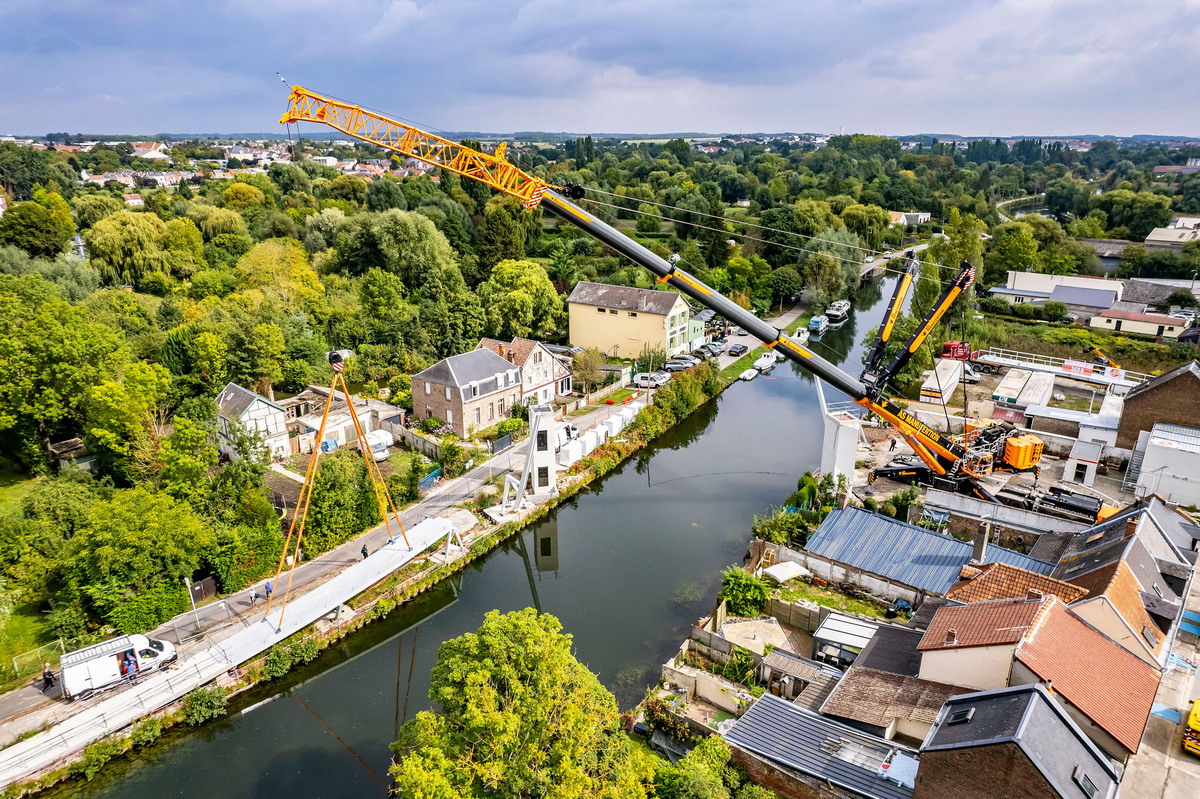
1001	581
999	621
1118	584
1108	684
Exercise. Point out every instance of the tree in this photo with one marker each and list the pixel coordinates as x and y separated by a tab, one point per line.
35	229
126	246
279	268
650	358
1012	249
403	242
121	414
503	234
54	353
649	220
348	188
519	301
188	456
214	222
786	283
743	593
586	371
184	246
91	208
241	196
868	221
822	272
260	357
385	193
699	775
516	715
343	502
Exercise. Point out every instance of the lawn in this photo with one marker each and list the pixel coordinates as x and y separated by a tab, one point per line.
14	485
746	361
617	397
796	590
22	628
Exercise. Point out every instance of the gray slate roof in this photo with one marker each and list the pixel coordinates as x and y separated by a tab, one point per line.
902	552
803	741
623	298
461	370
1029	717
1141	291
234	400
1091	298
894	650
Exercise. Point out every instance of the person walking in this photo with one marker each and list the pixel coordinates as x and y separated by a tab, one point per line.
892	447
253	596
364	551
48	678
268	588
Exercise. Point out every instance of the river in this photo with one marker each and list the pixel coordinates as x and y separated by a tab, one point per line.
626	566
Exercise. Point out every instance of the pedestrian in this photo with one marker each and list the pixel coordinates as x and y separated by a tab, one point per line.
47	677
268	588
364	551
253	596
892	448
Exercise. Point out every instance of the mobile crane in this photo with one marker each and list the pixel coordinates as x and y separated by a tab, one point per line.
1101	358
955	464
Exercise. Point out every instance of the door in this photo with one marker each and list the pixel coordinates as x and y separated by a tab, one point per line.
1080	472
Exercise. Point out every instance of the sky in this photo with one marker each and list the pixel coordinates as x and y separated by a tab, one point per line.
968	67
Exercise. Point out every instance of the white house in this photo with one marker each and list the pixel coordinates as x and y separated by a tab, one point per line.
256	414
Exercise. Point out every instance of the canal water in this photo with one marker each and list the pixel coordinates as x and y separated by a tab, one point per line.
627	567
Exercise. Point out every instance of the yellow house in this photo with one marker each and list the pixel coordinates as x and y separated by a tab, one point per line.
621	320
1145	324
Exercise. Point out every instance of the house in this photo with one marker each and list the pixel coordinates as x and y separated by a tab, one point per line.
543	375
237	406
1172	398
1011	742
1173	239
1036	284
907	218
1142	324
1001	581
882	693
621	321
468	392
797	753
1167	462
71	453
892	559
150	150
1107	690
133	200
304	411
1084	302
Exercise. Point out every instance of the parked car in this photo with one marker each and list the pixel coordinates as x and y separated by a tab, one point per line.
718	346
737	331
691	359
676	366
738	349
651	379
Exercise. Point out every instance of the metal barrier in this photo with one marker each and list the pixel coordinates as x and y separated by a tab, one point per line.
428	480
502	443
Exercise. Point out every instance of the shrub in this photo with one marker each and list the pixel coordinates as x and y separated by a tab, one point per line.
94	758
146	732
509	426
744	593
205	703
432	424
304	651
781	527
278	662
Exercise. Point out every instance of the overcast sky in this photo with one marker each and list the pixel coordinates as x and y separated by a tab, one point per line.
972	67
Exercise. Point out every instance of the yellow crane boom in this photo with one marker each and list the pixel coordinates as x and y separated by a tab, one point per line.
389	134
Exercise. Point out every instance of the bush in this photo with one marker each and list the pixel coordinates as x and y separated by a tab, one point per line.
94	758
278	662
304	651
1054	310
146	732
744	593
509	426
781	527
205	703
432	424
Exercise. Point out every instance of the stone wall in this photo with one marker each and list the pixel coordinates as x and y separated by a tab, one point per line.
1175	401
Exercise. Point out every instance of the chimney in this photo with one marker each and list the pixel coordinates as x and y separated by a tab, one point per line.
979	550
641	300
1034	595
951	637
1131	526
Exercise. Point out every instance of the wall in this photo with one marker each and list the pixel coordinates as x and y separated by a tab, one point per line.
805	616
427	447
1177	401
1152	329
710	688
999	771
1100	613
980	667
1035	281
435	404
541	374
840	573
1171	473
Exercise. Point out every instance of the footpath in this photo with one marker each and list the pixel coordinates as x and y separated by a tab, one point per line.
240	631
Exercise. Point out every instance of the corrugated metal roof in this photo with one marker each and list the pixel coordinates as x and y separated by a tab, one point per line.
803	741
1091	298
1067	415
903	552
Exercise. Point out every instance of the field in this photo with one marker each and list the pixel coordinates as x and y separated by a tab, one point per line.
14	485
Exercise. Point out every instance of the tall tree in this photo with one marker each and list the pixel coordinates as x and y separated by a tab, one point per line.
516	716
519	300
35	229
502	236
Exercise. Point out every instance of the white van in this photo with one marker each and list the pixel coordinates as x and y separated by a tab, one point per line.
109	663
379	441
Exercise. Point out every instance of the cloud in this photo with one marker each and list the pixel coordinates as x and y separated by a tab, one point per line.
983	67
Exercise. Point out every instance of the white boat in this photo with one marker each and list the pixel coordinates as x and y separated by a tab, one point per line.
838	310
765	361
749	374
800	337
818	325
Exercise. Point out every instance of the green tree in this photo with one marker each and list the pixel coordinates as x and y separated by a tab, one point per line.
54	353
586	372
260	357
121	415
516	715
188	457
343	502
348	188
403	242
786	283
822	272
385	193
91	208
744	593
519	300
241	196
502	236
184	246
35	229
649	220
127	246
868	221
279	268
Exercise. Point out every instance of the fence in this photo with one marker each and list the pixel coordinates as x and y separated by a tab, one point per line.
601	393
427	447
31	662
502	443
428	480
805	616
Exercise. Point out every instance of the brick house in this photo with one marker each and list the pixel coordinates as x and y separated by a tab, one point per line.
544	375
1172	397
1011	743
469	392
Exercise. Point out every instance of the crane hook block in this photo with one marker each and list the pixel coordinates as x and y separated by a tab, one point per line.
572	191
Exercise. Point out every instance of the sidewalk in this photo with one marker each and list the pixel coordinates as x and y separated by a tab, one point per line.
25	701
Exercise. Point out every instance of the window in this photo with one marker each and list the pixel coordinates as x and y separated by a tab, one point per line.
146	654
1149	635
543	476
1158	590
491	411
449	416
427	387
428	412
447	392
476	416
1085	784
474	389
547	548
502	407
633	314
599	310
542	440
961	716
537	357
612	311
